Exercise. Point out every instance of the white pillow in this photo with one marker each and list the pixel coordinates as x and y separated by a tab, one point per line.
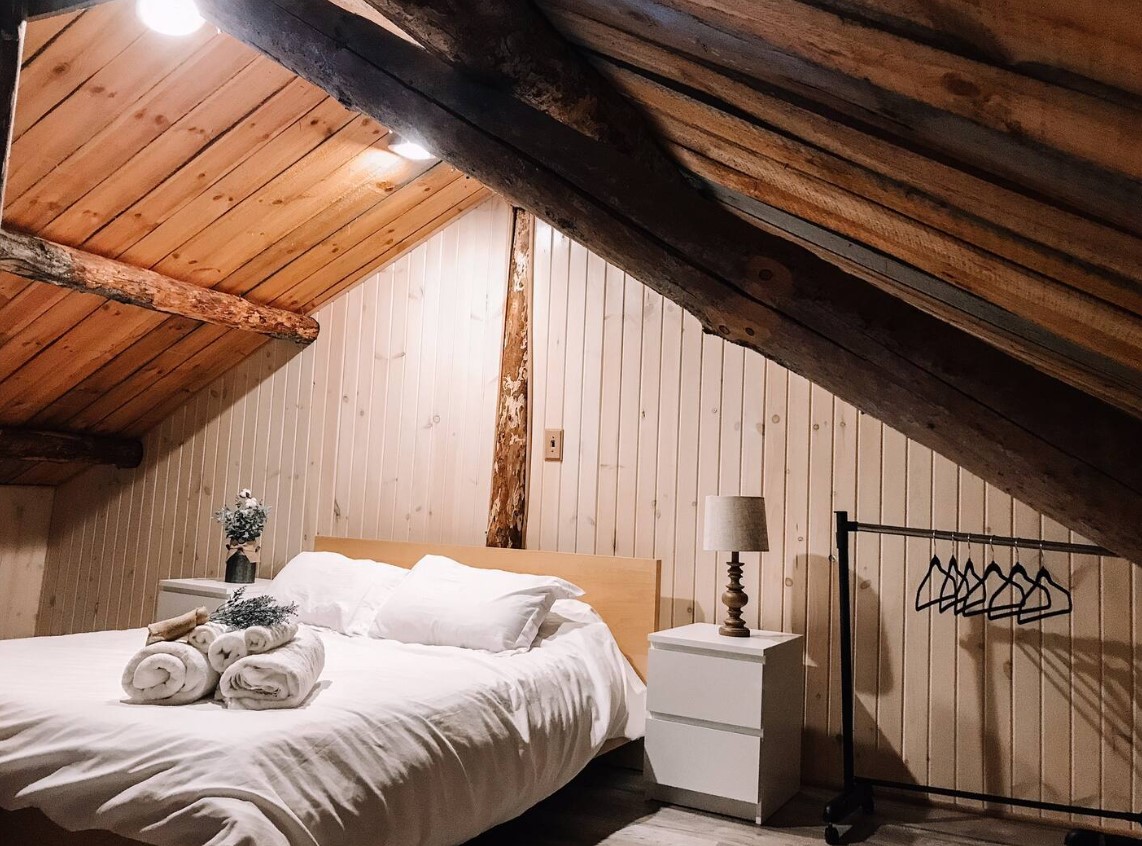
446	603
336	592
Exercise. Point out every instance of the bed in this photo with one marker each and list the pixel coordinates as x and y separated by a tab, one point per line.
404	744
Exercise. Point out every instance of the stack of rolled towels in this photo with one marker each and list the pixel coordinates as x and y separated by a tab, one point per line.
257	668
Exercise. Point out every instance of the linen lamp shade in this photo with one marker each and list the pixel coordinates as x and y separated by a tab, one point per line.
736	524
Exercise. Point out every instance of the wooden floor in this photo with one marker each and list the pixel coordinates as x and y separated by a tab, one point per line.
605	805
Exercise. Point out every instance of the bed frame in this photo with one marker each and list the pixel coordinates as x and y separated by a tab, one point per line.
623	590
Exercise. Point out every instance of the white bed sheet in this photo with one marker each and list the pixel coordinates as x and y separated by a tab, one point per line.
401	744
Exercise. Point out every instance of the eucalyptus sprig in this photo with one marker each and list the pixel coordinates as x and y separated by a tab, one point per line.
237	612
245	521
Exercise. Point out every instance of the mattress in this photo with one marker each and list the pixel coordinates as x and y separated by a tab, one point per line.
400	744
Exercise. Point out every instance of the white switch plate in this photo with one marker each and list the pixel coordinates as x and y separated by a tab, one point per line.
552	444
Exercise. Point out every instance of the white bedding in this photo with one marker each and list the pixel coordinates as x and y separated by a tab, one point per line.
401	744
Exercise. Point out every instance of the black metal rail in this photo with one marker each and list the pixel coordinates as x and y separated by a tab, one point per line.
858	790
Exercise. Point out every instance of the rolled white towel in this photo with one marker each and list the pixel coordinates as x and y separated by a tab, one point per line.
280	678
168	673
204	635
226	649
265	638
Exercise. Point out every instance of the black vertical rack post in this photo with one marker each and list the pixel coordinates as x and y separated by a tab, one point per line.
857	792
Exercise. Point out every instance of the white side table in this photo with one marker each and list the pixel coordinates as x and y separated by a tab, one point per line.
177	596
724	729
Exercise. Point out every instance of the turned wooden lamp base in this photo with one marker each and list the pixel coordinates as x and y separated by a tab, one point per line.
735	600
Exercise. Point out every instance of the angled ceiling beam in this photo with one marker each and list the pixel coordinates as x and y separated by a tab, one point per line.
70	447
47	8
45	261
1074	457
12	26
512	45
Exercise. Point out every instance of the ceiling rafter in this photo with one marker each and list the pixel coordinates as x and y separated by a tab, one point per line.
27	445
1000	418
44	261
512	44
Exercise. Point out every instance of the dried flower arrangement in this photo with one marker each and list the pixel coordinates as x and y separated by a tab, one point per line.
237	612
245	521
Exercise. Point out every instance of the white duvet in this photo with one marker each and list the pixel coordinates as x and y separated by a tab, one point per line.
400	745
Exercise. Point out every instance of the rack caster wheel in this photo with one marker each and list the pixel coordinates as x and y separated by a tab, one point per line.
832	835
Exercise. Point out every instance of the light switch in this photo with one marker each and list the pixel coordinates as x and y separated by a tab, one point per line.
552	444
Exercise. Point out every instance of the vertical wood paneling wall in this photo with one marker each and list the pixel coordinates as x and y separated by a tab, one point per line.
25	518
657	415
382	428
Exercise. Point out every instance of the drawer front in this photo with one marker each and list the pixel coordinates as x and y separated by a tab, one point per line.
171	604
705	760
705	687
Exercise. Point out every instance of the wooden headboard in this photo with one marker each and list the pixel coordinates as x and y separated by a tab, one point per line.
623	590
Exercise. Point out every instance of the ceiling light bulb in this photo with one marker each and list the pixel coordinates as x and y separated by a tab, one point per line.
170	17
409	149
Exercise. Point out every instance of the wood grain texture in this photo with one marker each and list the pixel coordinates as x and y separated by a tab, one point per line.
511	44
45	261
13	27
382	428
623	590
25	515
936	384
507	511
200	161
656	414
940	700
68	447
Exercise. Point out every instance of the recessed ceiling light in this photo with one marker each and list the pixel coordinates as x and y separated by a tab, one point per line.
409	149
170	17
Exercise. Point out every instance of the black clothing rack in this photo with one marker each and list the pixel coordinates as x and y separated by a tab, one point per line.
857	793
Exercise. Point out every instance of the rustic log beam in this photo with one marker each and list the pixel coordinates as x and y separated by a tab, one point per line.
45	261
12	26
70	447
1057	449
507	514
512	44
1077	155
47	8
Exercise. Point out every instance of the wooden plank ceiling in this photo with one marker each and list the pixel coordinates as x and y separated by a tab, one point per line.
993	147
204	161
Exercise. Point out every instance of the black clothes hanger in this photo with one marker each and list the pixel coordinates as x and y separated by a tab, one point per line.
948	587
934	566
988	585
1009	598
1057	599
969	578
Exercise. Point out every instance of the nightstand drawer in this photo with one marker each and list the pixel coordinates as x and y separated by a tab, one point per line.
172	604
705	760
705	687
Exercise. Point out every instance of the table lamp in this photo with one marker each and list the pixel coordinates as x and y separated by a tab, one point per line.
735	524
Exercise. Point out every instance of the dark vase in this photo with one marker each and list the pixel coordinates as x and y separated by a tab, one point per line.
240	570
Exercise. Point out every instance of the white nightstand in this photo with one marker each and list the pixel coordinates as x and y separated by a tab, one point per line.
177	596
724	729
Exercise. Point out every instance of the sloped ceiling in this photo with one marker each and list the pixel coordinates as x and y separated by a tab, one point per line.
202	160
991	147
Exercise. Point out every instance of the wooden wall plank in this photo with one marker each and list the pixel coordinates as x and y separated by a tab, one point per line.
941	699
25	514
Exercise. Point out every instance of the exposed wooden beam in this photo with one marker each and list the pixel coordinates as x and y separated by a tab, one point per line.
46	261
12	27
70	447
1071	456
48	8
512	44
507	514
